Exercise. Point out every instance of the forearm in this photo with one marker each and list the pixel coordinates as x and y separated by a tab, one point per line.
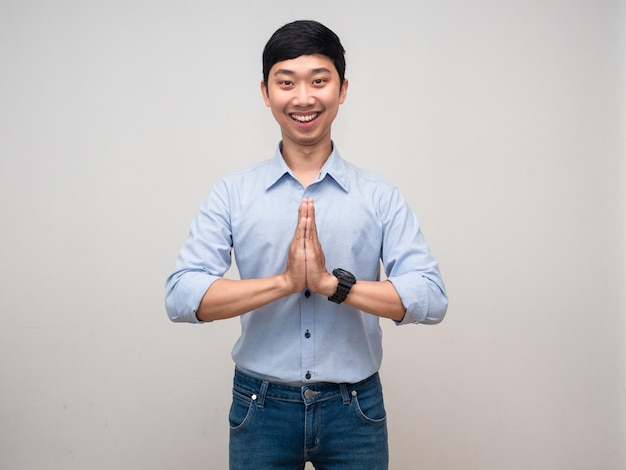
374	297
227	298
378	298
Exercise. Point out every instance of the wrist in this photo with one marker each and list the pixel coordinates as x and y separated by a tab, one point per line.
287	286
330	286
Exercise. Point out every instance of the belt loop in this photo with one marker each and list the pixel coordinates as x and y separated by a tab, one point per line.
261	400
344	394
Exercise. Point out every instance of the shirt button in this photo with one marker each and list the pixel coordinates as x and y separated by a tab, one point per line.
308	375
307	335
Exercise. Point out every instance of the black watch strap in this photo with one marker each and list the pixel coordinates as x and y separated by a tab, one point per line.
346	281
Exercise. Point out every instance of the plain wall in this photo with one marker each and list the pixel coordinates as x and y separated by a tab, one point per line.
501	122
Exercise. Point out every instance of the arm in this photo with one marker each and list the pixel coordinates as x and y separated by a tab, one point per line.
378	298
414	291
409	265
227	298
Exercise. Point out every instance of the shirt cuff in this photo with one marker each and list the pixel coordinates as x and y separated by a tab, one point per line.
414	296
182	302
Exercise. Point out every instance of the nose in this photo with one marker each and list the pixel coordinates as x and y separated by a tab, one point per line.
303	96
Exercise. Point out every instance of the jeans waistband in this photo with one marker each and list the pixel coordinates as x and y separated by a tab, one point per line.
309	393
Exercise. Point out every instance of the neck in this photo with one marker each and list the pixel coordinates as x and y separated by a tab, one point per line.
306	161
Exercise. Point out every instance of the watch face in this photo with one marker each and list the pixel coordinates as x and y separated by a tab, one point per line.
343	274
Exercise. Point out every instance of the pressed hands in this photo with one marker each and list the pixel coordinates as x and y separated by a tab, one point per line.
306	264
306	269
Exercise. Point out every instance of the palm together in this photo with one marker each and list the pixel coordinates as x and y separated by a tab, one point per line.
306	264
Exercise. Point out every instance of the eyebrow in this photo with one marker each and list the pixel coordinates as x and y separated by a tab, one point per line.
292	73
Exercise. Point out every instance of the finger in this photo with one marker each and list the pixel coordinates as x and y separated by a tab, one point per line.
300	232
306	202
312	229
303	212
309	229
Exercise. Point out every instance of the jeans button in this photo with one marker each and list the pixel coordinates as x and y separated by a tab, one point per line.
308	393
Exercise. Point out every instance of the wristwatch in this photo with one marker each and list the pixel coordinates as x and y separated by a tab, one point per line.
346	281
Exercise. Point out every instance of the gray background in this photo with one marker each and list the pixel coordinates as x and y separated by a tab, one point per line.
501	122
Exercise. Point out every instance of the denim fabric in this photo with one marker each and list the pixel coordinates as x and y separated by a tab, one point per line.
275	426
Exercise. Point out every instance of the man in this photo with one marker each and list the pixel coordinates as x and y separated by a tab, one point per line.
308	232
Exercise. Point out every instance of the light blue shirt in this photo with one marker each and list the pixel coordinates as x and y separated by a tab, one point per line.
304	337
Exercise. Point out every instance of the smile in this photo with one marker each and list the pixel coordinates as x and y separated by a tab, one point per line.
304	118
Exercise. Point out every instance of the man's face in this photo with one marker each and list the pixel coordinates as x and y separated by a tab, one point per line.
304	95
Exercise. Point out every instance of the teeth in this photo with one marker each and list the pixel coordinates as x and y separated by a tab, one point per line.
307	118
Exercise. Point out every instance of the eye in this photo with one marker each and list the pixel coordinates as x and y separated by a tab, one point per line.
319	81
286	83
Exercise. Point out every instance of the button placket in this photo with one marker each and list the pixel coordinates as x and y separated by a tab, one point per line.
307	330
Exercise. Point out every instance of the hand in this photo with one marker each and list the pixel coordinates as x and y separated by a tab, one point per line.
318	279
295	273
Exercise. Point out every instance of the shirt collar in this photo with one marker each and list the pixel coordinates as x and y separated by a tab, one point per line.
335	167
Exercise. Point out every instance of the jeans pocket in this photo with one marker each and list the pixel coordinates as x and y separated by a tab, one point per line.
370	408
240	411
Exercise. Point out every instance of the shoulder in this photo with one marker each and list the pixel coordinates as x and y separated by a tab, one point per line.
252	171
238	185
366	181
247	179
383	196
364	175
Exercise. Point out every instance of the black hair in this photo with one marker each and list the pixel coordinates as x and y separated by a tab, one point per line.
303	37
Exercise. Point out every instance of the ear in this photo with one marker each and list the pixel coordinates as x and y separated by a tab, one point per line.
265	93
343	93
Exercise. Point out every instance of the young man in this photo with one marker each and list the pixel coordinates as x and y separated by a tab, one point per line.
308	231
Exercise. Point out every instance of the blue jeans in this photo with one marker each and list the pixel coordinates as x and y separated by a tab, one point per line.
275	426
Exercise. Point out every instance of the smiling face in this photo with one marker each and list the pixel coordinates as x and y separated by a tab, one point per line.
304	95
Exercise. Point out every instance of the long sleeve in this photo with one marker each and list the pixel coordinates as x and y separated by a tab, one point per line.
409	265
204	258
